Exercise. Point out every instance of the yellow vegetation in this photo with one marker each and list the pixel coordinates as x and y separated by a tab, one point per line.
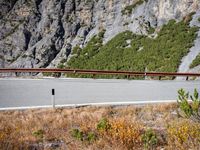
120	127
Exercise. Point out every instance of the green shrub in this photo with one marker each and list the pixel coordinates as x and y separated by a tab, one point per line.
187	109
149	139
38	134
61	66
76	133
57	74
195	102
47	74
103	124
151	30
128	9
183	103
195	62
91	137
79	135
76	50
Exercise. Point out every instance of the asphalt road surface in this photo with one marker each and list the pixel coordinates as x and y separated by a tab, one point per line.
25	93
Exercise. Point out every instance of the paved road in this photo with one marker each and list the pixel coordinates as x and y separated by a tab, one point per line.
37	92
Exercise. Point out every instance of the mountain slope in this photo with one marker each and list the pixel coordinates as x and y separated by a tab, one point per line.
128	51
43	33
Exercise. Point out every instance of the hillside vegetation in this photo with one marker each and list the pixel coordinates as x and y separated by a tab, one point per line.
195	62
131	52
128	9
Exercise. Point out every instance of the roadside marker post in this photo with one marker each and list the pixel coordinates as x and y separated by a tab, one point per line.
53	98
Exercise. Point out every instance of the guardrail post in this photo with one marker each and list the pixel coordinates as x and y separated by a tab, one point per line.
159	77
93	76
53	98
187	78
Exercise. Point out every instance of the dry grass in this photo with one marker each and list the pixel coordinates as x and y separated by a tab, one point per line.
125	125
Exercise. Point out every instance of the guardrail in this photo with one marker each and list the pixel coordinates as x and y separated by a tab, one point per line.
98	72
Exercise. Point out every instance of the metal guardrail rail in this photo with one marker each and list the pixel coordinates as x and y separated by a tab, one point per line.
97	72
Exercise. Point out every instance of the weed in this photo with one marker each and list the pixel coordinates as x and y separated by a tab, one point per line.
195	62
125	132
128	9
76	133
38	134
91	137
189	110
183	134
151	30
149	139
76	50
103	125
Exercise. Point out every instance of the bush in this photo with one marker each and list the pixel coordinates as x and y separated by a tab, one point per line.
47	74
76	50
149	139
83	136
128	9
121	130
151	30
103	125
76	133
127	133
91	137
195	62
57	74
183	134
38	134
187	109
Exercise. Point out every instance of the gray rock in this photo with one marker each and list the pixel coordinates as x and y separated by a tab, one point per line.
41	33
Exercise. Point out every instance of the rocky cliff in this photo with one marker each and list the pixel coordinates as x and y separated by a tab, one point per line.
41	33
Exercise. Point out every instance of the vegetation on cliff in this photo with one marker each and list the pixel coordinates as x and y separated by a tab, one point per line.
128	9
131	52
195	62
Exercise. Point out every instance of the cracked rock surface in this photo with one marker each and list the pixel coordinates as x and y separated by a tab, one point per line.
41	33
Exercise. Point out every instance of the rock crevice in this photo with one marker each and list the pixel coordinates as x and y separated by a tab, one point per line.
41	33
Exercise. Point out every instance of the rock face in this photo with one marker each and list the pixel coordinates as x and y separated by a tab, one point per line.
194	51
41	33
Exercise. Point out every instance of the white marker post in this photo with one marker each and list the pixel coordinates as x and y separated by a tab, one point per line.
53	98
